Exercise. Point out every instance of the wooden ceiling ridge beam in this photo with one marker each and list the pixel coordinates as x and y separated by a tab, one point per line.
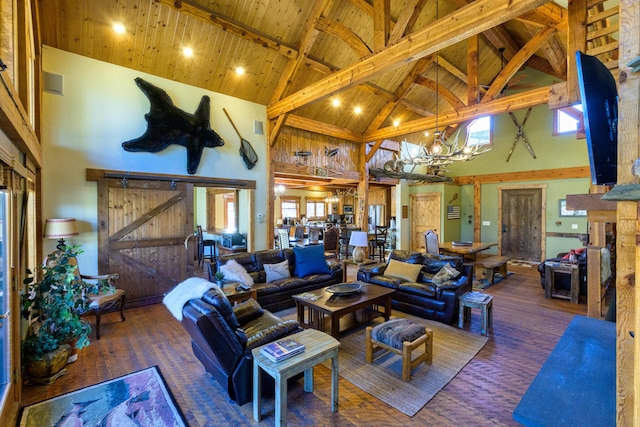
459	25
341	32
517	62
306	42
500	105
233	27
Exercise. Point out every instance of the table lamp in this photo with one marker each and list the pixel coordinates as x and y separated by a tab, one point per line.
359	240
59	228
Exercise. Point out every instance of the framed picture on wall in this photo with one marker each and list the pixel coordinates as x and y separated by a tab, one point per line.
567	212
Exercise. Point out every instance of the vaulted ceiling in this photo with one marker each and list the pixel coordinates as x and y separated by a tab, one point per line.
386	56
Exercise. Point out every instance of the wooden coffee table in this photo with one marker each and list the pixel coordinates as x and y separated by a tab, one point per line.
312	314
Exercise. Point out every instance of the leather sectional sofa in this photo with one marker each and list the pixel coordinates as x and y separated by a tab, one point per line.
423	297
277	295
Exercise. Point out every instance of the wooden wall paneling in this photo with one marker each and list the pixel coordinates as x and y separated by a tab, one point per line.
628	227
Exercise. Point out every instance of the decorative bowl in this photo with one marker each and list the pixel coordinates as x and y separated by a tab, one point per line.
344	288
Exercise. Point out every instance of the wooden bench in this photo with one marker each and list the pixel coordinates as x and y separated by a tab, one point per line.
492	265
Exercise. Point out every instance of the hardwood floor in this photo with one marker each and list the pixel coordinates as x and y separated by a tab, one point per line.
525	330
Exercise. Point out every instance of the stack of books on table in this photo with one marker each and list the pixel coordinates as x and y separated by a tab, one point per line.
476	297
282	349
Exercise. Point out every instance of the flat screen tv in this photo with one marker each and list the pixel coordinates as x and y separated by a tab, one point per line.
600	108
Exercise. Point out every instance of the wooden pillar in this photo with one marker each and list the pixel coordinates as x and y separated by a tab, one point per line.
477	216
576	41
628	227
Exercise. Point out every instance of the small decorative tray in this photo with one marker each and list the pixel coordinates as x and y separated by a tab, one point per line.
344	288
462	243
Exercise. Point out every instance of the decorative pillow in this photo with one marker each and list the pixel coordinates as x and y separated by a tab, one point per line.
310	260
277	271
446	273
236	273
403	270
247	310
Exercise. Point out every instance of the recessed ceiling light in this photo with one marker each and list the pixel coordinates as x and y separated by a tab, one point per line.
240	71
396	122
119	28
335	102
426	133
187	51
357	110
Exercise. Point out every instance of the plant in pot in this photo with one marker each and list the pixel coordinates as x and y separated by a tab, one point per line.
54	299
219	278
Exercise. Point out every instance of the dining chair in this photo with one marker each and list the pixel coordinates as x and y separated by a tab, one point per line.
378	243
202	245
431	242
283	237
314	234
331	243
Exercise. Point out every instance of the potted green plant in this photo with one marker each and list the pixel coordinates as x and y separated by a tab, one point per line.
219	278
54	299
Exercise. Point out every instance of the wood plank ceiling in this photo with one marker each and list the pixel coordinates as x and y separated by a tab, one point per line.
386	56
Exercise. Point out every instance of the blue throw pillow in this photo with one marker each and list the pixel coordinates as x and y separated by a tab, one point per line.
310	260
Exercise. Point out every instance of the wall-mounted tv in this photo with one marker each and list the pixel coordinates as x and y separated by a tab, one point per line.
600	108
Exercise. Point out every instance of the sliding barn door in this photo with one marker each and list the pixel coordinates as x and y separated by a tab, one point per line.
141	234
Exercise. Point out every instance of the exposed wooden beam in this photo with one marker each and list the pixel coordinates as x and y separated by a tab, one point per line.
576	41
517	62
381	24
231	26
308	38
459	25
303	123
497	106
473	61
553	52
533	175
343	33
406	18
277	128
590	202
447	95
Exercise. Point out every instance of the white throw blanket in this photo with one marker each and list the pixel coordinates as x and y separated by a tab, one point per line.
193	287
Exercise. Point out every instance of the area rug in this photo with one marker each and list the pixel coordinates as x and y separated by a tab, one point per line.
484	283
140	398
453	348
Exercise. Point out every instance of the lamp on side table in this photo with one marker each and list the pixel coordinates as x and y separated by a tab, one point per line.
360	240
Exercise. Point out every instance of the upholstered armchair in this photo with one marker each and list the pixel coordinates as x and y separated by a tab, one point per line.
222	337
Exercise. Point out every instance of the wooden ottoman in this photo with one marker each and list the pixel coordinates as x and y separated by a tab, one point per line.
401	336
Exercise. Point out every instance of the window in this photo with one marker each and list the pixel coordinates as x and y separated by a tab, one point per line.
479	131
290	207
568	120
229	212
316	209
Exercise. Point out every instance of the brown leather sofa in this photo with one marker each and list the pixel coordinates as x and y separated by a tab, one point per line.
222	337
423	297
277	295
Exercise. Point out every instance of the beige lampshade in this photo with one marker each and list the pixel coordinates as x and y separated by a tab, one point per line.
60	227
359	238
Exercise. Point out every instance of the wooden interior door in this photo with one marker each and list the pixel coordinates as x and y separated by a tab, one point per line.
425	215
521	230
141	234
